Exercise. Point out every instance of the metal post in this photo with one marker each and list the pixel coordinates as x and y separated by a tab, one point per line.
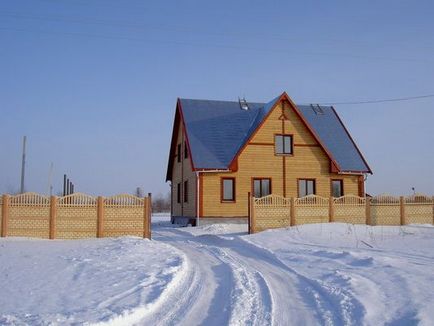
64	185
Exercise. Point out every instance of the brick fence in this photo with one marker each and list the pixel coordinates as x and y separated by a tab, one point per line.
274	211
75	216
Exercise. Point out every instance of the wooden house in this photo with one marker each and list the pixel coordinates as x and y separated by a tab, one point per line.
220	151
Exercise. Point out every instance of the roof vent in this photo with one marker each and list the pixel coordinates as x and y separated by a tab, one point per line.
243	104
317	109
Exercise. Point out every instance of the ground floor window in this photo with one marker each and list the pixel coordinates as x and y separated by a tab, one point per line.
306	187
261	187
228	189
178	193
337	188
185	191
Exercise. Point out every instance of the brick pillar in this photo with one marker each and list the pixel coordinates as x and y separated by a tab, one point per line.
252	215
5	215
402	210
53	216
293	212
100	216
368	211
149	214
331	210
432	199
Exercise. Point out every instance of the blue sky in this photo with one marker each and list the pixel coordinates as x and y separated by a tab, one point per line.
93	84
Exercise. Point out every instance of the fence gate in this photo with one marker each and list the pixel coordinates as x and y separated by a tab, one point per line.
270	212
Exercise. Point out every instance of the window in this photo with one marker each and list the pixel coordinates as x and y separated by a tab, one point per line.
306	187
228	189
337	188
261	187
283	144
179	152
185	150
178	193
185	191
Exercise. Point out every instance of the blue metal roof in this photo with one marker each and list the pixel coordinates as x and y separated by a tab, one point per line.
332	133
217	130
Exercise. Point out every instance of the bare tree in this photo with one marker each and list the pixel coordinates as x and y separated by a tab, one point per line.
161	203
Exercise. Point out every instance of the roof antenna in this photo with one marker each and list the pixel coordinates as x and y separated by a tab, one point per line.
243	103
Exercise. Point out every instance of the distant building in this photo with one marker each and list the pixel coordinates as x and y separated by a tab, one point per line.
221	151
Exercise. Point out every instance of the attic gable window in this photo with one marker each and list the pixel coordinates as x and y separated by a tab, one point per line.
283	144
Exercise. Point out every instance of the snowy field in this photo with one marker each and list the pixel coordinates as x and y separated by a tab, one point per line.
322	274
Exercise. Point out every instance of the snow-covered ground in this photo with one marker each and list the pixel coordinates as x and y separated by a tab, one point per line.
117	281
327	274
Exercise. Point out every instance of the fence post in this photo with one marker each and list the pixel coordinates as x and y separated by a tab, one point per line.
100	215
149	214
432	199
402	209
331	210
368	211
53	216
252	215
293	213
5	215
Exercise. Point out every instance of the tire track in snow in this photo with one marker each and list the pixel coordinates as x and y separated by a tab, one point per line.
250	298
292	293
203	296
263	290
244	300
333	305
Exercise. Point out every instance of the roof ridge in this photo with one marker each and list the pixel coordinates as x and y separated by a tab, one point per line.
208	100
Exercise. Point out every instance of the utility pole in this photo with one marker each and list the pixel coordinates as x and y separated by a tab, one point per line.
50	180
23	164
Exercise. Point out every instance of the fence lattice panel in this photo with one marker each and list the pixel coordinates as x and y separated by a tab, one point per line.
29	215
124	215
311	209
385	210
419	209
272	212
350	209
76	216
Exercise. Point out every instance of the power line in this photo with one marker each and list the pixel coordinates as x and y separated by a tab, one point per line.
214	45
399	99
172	28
